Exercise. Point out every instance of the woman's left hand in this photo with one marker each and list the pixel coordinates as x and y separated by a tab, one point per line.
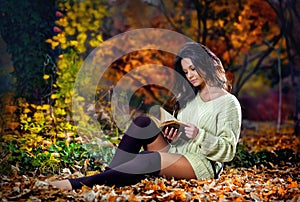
191	131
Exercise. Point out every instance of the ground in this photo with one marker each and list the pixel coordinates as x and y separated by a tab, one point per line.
267	182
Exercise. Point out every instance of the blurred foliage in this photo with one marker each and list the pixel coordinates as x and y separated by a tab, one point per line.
78	25
24	26
77	34
250	37
247	158
36	140
6	79
142	66
237	31
46	157
261	144
44	121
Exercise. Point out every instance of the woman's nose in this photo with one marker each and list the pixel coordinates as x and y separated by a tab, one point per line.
189	74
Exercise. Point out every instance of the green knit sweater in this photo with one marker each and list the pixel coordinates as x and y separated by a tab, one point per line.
219	123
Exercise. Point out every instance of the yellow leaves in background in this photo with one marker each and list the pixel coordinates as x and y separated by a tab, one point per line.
81	38
42	125
60	111
63	22
74	43
54	96
45	107
77	31
54	44
96	41
32	140
39	116
70	31
46	76
80	26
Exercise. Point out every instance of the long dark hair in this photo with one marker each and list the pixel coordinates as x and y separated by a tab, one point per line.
207	65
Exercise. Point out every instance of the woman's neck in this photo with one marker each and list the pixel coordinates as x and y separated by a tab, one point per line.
208	93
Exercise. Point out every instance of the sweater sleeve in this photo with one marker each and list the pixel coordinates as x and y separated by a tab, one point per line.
221	146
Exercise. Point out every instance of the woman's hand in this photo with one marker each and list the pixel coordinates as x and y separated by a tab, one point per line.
191	131
172	134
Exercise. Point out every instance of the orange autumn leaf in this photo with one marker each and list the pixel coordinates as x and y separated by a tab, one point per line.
10	108
281	191
112	198
241	190
179	195
293	184
12	125
239	199
268	193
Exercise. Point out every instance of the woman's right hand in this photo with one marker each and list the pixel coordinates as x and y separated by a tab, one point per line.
172	134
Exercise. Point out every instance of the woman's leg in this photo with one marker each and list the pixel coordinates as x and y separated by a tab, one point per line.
176	165
153	163
128	167
128	173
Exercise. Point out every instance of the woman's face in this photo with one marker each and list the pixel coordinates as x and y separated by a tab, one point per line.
190	72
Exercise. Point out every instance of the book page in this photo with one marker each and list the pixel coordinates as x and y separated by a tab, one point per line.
165	116
161	117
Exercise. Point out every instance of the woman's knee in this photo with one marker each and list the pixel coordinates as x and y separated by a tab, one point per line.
158	144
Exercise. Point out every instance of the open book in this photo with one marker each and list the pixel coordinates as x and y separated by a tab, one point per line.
168	120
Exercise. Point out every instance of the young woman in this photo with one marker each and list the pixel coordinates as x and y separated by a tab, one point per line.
212	118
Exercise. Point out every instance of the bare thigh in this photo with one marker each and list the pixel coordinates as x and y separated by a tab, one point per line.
176	165
159	144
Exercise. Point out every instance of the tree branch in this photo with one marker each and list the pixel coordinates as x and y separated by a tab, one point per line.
258	65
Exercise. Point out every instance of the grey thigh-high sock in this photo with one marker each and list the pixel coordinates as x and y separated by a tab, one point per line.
128	173
141	132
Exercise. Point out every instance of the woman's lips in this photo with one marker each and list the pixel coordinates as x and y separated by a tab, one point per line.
194	81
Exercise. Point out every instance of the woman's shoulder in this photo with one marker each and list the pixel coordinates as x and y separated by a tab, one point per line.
227	99
230	104
225	102
221	97
232	98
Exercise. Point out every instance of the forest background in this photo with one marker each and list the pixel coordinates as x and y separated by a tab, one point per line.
44	43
